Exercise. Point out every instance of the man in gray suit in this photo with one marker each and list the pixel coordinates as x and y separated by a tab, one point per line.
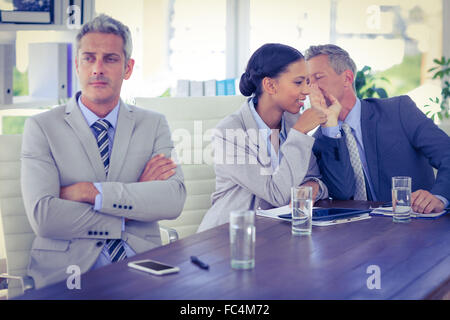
96	172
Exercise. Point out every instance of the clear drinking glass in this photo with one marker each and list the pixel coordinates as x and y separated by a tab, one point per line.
401	199
242	239
301	198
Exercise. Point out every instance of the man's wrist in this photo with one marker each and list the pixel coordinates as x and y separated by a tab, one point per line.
89	192
332	132
442	199
330	123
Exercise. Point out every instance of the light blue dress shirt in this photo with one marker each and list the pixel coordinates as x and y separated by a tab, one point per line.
353	119
275	157
91	118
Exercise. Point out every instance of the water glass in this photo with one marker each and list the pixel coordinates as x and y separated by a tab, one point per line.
401	199
301	198
242	239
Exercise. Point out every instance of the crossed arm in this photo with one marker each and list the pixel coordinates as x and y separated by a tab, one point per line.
68	212
157	168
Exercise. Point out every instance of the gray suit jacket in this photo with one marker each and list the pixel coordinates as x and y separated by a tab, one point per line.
244	179
59	149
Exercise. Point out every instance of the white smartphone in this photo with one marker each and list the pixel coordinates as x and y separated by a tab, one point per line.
153	267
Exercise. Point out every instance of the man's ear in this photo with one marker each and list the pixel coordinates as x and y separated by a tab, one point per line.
349	77
269	85
128	69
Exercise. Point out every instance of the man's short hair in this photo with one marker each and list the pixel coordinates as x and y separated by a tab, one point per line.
106	24
338	58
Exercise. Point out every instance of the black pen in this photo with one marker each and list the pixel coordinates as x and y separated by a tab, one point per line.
199	263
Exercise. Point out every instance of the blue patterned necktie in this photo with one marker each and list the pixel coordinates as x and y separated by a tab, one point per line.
101	129
115	247
355	160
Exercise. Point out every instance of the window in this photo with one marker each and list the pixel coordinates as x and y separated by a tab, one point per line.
398	39
197	39
298	23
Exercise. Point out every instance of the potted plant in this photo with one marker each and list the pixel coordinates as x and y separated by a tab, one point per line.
441	71
365	84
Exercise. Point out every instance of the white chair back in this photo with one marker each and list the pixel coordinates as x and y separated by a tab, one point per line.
190	120
17	232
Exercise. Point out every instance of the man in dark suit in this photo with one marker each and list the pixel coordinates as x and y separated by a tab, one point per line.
368	141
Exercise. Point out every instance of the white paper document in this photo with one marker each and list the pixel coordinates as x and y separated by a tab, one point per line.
276	212
387	211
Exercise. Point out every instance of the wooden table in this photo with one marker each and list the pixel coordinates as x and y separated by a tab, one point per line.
332	263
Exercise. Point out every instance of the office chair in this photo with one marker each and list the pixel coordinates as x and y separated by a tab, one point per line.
17	232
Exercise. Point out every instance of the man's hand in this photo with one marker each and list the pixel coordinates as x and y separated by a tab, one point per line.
158	168
325	102
80	191
310	119
424	202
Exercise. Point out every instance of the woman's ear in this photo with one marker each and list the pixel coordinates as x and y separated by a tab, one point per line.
269	85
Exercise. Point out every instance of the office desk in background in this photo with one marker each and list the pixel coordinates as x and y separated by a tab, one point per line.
332	263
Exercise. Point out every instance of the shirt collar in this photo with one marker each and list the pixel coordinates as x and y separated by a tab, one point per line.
91	117
353	118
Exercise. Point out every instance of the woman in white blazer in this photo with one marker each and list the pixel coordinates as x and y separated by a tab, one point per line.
263	149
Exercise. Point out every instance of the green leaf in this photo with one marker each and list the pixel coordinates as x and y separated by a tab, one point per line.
439	74
381	92
366	68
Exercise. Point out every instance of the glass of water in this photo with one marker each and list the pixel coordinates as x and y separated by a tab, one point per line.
401	199
242	239
301	198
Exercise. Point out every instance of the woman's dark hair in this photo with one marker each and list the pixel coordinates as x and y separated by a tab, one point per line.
270	60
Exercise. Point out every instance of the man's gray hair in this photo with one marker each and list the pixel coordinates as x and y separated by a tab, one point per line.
338	58
106	24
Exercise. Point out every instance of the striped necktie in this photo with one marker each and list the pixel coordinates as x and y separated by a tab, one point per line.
115	247
101	129
355	160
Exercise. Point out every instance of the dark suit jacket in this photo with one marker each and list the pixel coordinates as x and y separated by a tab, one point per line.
399	140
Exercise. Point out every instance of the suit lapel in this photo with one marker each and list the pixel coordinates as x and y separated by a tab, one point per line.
369	124
76	121
250	124
122	138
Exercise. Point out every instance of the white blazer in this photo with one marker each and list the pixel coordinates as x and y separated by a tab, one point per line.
244	179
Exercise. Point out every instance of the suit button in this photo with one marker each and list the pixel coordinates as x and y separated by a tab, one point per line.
125	207
106	233
90	233
130	207
95	233
100	233
114	205
120	206
99	244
